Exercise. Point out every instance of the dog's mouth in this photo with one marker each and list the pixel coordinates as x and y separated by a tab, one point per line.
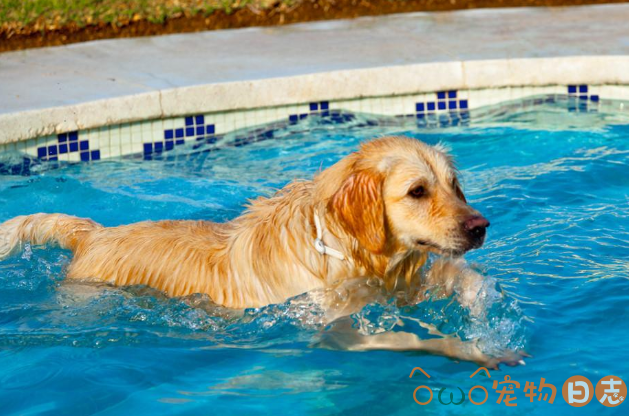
426	243
437	249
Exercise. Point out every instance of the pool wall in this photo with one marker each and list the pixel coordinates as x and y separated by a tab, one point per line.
441	109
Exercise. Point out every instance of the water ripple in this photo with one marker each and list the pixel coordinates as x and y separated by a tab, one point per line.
554	184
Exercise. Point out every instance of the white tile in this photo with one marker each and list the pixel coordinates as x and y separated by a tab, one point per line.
115	141
156	132
21	146
94	139
614	92
135	130
9	147
104	140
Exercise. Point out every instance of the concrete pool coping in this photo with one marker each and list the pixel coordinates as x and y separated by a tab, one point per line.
55	90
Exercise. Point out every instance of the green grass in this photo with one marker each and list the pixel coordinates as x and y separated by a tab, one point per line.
47	14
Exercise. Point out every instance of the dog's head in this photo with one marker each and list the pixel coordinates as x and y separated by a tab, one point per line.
399	193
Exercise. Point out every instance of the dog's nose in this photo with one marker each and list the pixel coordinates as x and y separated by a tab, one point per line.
476	226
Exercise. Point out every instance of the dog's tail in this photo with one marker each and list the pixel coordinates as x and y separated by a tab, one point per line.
63	230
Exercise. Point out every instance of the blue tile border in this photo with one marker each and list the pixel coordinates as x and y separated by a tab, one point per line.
579	99
195	128
447	110
321	108
68	143
22	168
440	109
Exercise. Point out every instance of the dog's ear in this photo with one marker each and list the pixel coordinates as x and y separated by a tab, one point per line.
358	206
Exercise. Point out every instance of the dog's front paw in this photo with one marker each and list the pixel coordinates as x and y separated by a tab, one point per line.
507	357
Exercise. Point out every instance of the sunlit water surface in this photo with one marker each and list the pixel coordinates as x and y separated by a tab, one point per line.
555	185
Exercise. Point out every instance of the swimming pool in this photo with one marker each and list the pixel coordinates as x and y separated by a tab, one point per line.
553	182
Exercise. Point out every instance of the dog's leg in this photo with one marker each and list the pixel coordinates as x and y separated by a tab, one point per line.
342	336
348	297
63	230
449	276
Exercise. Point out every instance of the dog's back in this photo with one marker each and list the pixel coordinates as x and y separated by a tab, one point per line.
173	256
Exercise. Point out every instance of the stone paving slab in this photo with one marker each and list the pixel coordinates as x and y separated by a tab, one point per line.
90	84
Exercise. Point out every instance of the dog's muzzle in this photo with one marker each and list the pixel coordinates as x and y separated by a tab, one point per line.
475	228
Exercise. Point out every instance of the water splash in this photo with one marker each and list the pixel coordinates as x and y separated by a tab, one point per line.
98	315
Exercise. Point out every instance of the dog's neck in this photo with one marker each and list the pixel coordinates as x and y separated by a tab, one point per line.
396	263
281	231
272	255
320	245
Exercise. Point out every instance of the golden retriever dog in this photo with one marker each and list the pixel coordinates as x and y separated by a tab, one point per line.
375	214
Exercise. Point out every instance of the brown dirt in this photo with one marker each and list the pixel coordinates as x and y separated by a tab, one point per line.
278	14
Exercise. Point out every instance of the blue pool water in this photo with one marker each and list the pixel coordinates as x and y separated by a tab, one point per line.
554	183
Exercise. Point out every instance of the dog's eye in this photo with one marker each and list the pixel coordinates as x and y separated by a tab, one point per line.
458	191
417	192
